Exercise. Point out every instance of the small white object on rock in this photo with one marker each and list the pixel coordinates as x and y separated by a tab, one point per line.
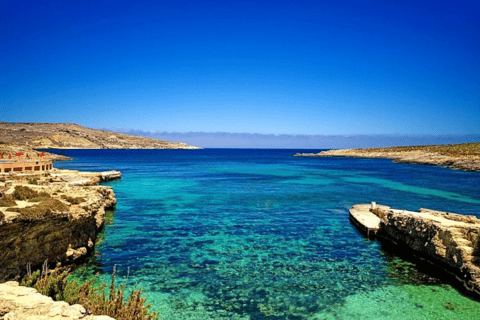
374	204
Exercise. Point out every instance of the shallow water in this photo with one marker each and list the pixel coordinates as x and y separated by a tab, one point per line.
260	234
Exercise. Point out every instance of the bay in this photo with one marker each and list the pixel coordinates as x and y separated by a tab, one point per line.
260	234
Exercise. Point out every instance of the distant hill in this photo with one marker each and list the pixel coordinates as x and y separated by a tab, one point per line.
74	136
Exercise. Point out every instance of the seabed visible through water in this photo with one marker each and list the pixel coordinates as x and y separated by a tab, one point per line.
259	234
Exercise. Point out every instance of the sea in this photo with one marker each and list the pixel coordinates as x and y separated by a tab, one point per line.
260	234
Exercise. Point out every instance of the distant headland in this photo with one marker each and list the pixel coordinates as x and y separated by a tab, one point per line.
465	156
28	136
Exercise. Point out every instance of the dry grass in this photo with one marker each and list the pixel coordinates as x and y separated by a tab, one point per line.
72	200
7	201
24	193
46	206
454	150
57	285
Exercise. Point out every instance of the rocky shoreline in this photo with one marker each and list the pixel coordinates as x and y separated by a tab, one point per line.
415	155
449	243
23	303
53	217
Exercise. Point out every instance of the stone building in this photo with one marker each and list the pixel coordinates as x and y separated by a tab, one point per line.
22	163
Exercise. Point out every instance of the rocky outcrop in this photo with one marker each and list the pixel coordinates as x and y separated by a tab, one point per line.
449	242
79	178
60	235
458	157
73	136
22	303
48	218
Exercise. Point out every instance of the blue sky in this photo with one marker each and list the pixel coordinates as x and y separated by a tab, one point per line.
267	67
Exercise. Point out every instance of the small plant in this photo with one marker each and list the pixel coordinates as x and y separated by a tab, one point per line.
58	286
32	181
7	201
73	200
40	197
44	208
24	193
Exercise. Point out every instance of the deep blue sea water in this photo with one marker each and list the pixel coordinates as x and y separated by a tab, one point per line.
260	234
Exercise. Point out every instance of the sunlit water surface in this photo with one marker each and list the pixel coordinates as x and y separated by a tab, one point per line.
260	234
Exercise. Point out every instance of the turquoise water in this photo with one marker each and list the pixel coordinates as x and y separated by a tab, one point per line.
260	234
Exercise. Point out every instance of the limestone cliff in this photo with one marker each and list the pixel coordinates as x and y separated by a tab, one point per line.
56	219
447	241
68	135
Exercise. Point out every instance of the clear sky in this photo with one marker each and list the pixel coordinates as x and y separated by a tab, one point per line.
268	67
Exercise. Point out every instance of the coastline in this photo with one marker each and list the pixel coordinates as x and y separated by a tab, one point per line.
63	177
48	220
53	215
450	156
447	242
26	303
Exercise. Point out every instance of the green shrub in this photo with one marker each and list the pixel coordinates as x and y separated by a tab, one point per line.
41	196
7	201
58	286
33	181
39	210
24	193
73	200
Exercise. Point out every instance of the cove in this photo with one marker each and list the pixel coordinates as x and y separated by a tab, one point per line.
260	234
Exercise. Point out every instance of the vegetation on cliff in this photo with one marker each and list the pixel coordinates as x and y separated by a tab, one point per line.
46	204
72	200
465	156
60	284
454	150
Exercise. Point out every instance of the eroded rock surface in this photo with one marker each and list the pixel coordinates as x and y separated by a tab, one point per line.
64	234
445	240
22	303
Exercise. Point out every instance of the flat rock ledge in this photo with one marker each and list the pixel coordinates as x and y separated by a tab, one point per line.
448	242
23	303
416	157
63	236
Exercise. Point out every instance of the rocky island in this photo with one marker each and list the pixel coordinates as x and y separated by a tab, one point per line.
464	156
448	242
